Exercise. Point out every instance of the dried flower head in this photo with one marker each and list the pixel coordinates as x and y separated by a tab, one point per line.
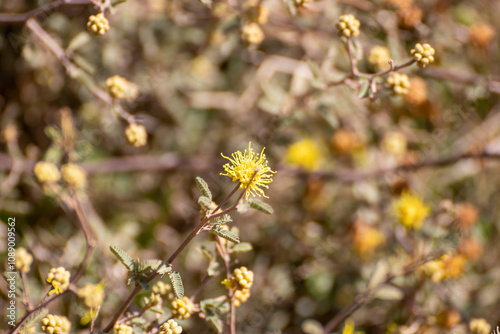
481	35
345	141
136	135
46	172
74	175
305	153
423	54
23	260
399	82
170	327
348	26
366	238
98	24
244	165
252	34
59	278
410	211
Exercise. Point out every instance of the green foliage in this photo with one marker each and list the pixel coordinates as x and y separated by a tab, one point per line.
203	187
224	219
204	202
34	319
214	310
260	206
123	257
223	233
176	280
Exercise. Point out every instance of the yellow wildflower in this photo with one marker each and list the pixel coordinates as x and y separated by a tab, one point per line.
59	278
410	211
182	308
243	167
366	238
23	260
74	175
92	294
305	153
46	172
136	135
479	326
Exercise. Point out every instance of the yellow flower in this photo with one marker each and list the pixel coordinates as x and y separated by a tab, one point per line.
243	167
348	26
136	135
53	324
182	308
305	153
46	172
379	57
98	24
252	34
410	211
395	143
479	326
122	329
366	238
423	54
170	327
92	294
74	175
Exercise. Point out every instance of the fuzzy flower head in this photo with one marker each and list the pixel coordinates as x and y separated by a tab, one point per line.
410	211
242	168
92	294
46	172
74	175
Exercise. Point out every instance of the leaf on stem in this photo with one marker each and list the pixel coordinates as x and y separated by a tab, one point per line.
261	206
226	234
224	219
34	319
203	187
176	280
123	257
204	202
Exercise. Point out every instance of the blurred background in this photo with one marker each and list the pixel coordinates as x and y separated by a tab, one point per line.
205	88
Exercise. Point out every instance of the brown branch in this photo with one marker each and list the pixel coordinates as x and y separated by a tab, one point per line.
45	9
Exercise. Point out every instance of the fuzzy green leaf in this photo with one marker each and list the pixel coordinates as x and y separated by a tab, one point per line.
226	234
123	257
149	265
203	186
34	319
261	206
176	280
204	202
164	270
242	248
224	219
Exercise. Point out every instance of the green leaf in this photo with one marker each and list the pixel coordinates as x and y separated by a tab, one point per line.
226	234
149	265
213	267
157	309
242	248
34	319
204	202
261	206
164	270
224	219
365	90
176	280
144	284
123	257
203	186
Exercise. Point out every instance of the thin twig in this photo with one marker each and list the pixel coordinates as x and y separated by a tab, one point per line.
45	9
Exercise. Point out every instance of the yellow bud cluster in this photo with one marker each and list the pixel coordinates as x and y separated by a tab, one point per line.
182	308
46	172
252	34
395	142
136	135
98	24
53	324
400	83
241	296
163	289
122	329
479	326
243	277
348	26
170	327
153	300
423	54
23	260
121	88
74	175
59	278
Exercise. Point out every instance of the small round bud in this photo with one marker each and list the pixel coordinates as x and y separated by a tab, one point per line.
136	135
98	24
252	34
23	260
348	26
163	289
121	88
170	327
46	172
400	83
423	54
241	296
74	175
